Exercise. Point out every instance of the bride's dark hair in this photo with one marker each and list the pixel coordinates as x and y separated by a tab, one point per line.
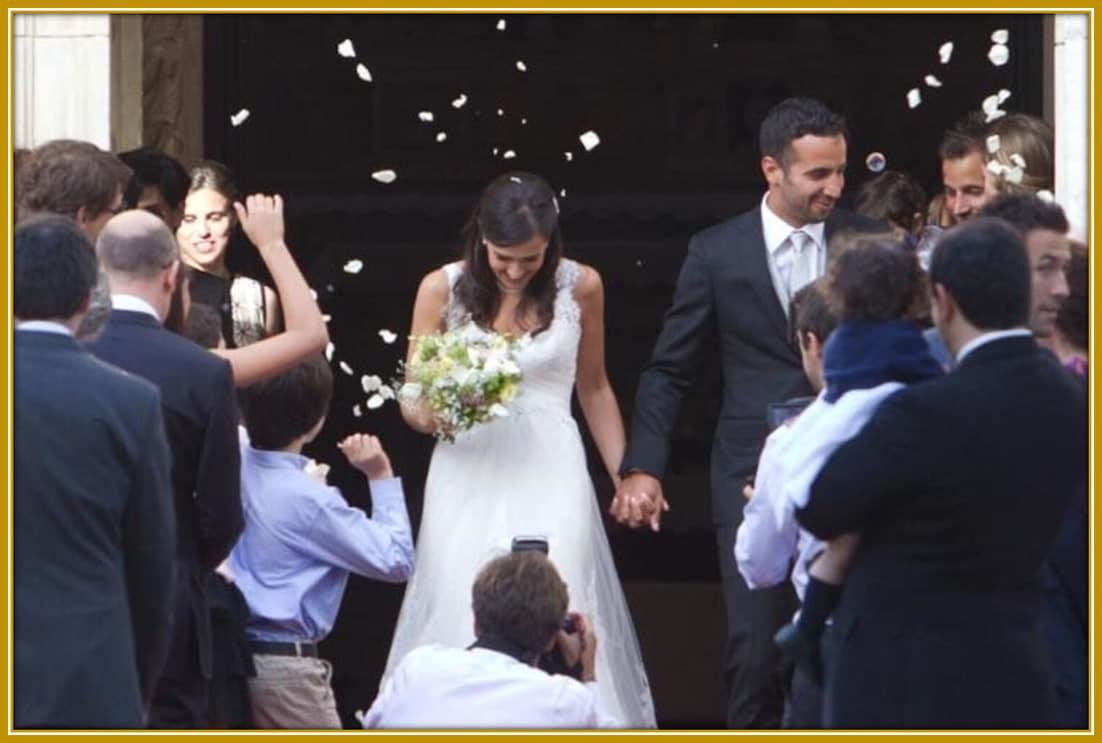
514	208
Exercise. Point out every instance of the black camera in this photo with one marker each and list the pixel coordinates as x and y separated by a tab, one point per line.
534	543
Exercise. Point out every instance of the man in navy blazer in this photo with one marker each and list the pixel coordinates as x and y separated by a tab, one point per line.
141	260
732	295
958	488
93	523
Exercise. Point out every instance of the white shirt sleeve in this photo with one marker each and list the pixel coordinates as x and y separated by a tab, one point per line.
766	540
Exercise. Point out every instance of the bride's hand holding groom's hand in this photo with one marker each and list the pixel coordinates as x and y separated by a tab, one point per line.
639	501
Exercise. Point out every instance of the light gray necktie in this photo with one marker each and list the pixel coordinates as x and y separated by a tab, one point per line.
803	267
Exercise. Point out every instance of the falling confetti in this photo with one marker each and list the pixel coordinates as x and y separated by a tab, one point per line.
460	102
1046	196
345	49
495	152
388	336
556	203
990	103
999	55
363	73
876	161
441	136
993	143
932	81
329	349
314	294
330	288
346	368
589	140
370	383
500	112
563	193
568	155
1014	175
1001	36
1017	160
514	179
239	118
639	262
374	402
914	98
521	66
354	266
356	411
501	25
426	116
992	115
1003	95
326	318
945	52
508	154
995	167
524	122
385	176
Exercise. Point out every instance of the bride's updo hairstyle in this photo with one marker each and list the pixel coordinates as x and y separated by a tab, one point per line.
873	278
513	209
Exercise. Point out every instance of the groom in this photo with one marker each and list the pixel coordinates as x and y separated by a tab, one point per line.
738	278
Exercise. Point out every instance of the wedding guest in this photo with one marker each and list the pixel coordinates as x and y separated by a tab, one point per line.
967	182
302	540
92	522
204	327
951	559
159	184
250	310
520	605
1071	335
731	298
141	260
895	198
80	181
1025	143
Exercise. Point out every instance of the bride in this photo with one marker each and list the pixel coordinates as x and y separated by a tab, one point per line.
524	474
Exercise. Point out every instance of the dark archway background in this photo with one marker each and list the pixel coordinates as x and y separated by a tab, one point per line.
676	101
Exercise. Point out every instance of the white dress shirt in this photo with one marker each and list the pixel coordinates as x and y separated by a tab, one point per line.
994	335
44	326
779	251
437	687
130	303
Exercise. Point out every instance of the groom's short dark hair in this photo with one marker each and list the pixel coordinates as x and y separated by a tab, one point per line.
793	118
279	409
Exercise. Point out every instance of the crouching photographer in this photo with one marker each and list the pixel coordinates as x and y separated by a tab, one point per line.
520	606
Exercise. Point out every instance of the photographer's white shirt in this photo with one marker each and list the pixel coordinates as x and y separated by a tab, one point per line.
437	687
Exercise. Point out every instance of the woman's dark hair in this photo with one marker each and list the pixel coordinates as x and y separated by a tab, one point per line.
873	278
894	197
215	176
514	208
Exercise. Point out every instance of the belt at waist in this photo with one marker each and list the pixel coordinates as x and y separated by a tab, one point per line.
295	649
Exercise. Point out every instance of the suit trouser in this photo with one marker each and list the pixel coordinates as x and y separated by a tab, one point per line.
755	673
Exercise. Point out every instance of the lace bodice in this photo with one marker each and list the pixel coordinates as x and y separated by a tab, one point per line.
547	360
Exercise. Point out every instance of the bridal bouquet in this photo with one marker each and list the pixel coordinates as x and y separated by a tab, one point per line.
464	376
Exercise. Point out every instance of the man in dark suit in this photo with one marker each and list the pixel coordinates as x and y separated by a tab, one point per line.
93	520
141	260
958	488
738	277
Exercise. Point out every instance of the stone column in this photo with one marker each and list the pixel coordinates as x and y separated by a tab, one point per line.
1070	97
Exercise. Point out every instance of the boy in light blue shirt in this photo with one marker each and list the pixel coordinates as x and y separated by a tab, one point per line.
302	540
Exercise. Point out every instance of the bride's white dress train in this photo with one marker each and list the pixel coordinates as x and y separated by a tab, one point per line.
524	474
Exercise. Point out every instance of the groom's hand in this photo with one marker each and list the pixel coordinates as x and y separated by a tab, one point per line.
639	501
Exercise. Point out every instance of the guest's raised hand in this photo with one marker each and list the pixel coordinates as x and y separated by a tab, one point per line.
261	218
365	453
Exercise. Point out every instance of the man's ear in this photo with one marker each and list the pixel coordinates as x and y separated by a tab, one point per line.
170	276
942	305
772	170
83	216
813	345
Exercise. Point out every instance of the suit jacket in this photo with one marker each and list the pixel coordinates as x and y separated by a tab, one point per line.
94	538
958	488
200	413
724	299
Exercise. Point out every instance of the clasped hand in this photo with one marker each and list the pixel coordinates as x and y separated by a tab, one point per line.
639	501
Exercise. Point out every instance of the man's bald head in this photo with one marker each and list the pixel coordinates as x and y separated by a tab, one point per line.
136	244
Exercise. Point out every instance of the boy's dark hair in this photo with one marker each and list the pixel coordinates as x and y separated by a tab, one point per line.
983	265
154	168
964	138
894	197
793	118
811	312
53	269
203	325
521	598
873	278
1073	318
66	174
287	405
1025	213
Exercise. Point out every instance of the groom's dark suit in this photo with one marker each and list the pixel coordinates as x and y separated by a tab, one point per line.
200	412
725	300
958	488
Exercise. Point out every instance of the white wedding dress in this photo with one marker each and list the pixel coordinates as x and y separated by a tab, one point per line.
524	474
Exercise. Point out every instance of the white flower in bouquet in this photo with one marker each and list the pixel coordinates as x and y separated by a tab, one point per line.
464	377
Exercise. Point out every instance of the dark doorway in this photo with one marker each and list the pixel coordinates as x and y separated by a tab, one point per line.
675	99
